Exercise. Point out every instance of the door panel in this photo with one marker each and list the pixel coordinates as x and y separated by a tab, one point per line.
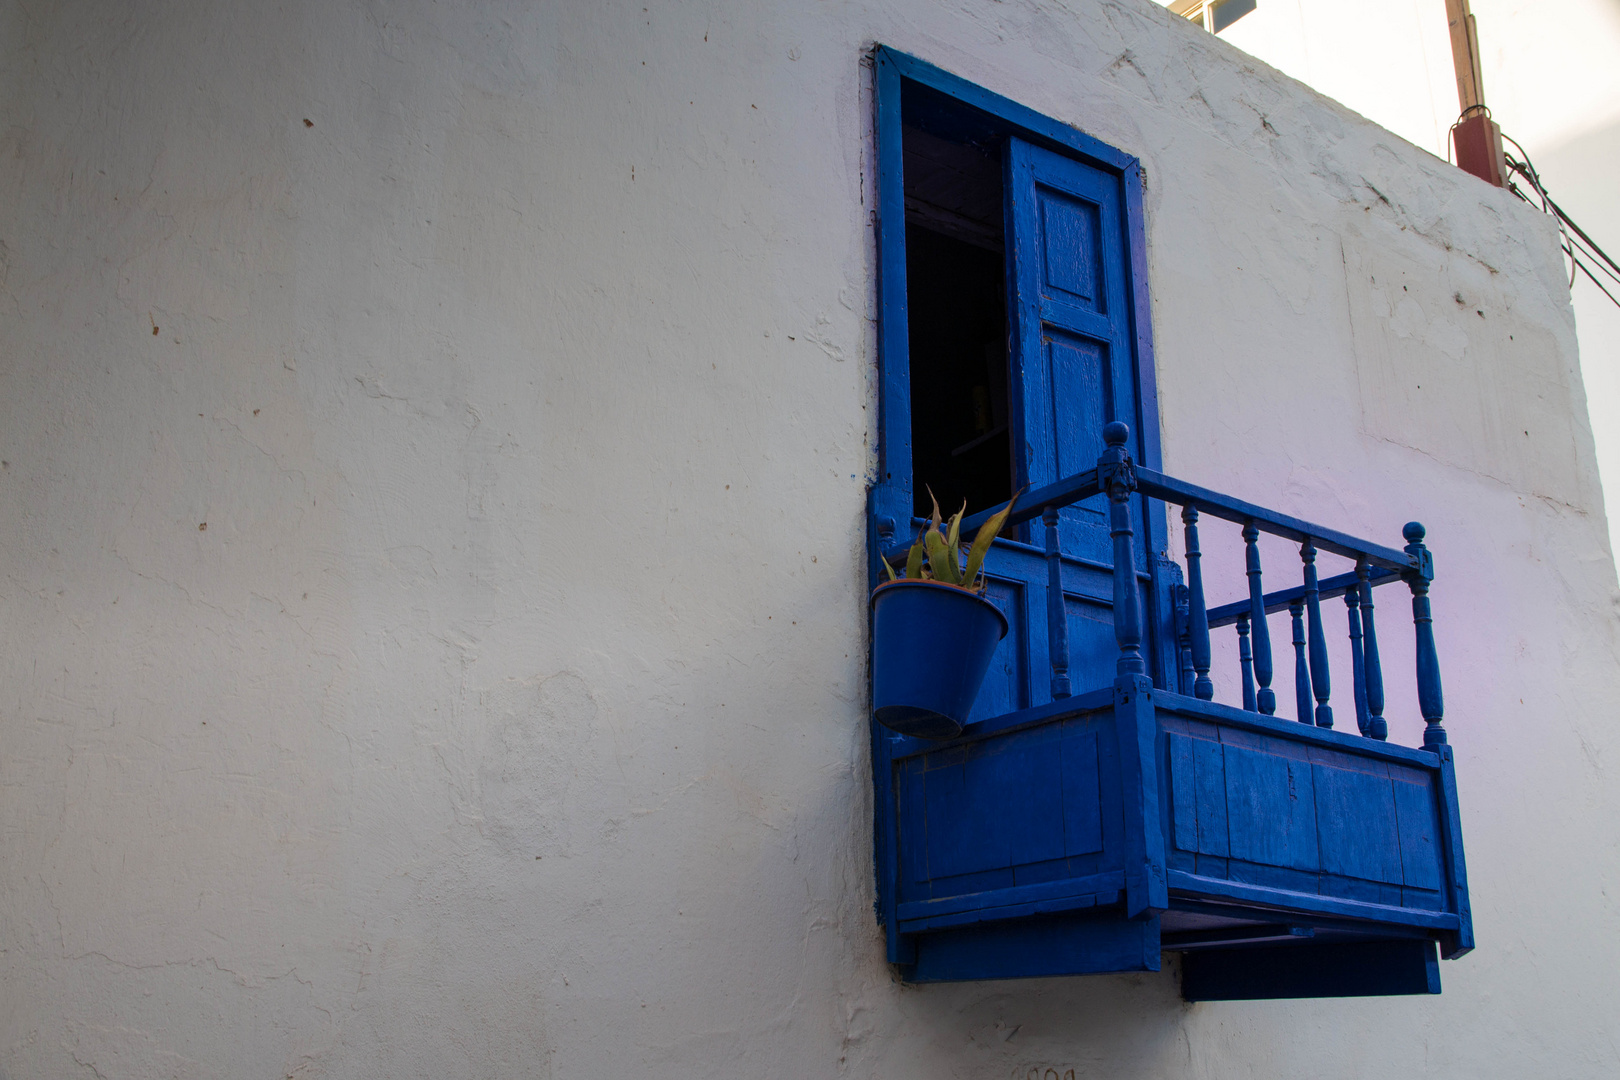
1071	368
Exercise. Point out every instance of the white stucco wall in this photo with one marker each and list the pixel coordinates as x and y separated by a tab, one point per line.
1553	85
507	717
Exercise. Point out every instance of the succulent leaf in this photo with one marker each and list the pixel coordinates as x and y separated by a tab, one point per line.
953	539
981	543
914	561
941	559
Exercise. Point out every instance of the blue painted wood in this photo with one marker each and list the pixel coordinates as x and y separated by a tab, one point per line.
1005	686
1357	834
1027	851
1417	819
1091	701
1462	942
1166	573
1387	564
1348	969
885	849
902	85
889	502
894	348
1082	762
1072	333
1266	698
1146	420
1377	727
1327	589
1000	113
1040	946
1198	628
1193	889
1282	816
1271	806
1187	674
1321	684
1358	661
1176	708
1057	618
1431	702
1032	504
1198	795
1302	673
1159	486
1262	934
1146	890
1127	603
994	806
1246	663
1044	898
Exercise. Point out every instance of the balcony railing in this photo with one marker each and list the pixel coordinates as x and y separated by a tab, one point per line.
1123	818
1118	478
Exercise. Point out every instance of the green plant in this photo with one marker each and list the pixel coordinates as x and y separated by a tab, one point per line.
936	556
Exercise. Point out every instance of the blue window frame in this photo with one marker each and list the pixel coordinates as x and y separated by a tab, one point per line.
1077	349
1068	247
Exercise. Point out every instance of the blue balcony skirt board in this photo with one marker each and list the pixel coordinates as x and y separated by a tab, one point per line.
1037	947
1291	860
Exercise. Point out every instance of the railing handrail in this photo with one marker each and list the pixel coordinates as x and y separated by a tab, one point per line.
1086	485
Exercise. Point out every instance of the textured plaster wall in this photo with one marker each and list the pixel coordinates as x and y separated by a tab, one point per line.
431	573
1552	83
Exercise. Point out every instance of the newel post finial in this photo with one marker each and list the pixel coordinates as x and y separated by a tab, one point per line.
1431	702
1116	435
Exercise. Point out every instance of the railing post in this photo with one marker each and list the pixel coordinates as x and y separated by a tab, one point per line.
1431	702
1246	662
1184	668
1198	614
1114	470
1320	679
1302	674
1057	616
1358	663
1266	700
1377	727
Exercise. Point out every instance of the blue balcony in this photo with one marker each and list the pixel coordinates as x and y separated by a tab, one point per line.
1283	857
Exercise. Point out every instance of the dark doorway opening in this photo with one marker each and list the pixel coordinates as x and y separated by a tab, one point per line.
956	288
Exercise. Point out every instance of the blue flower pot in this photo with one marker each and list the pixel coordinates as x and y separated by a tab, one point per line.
931	646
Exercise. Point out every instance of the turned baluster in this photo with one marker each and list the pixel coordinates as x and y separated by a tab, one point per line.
1302	674
1184	668
1057	616
1266	700
1246	662
1431	702
1115	466
1358	670
1377	727
1318	638
1198	615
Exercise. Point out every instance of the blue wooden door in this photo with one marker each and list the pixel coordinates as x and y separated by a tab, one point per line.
1072	368
1072	365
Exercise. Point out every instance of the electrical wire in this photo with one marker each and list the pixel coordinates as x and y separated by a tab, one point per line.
1572	238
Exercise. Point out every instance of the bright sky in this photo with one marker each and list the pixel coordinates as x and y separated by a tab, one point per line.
1551	67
